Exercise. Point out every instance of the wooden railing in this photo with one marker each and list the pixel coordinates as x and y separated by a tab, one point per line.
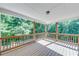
68	38
12	42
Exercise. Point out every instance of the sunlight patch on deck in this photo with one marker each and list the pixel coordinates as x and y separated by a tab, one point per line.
43	42
59	49
62	50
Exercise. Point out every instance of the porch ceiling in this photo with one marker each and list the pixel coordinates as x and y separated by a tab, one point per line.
58	11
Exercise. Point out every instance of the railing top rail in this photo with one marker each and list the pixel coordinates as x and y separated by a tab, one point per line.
20	36
16	36
37	34
69	34
66	34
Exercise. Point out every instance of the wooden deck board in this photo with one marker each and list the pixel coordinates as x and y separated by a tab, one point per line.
34	49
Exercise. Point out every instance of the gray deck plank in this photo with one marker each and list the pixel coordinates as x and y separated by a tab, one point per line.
34	49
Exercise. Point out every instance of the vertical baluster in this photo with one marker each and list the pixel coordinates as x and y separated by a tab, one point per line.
26	38
14	42
67	44
0	45
3	44
78	45
72	39
70	44
19	40
11	43
69	40
6	44
23	40
65	38
73	43
76	40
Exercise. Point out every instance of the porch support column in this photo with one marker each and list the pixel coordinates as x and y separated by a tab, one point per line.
34	36
45	31
56	30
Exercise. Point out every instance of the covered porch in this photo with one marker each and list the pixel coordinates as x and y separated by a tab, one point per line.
38	37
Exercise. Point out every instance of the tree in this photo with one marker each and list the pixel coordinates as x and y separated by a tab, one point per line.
39	27
52	27
60	27
12	24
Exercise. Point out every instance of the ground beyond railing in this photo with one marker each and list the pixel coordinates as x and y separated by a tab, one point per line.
15	41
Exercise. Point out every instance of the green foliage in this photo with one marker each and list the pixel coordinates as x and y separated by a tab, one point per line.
60	27
14	25
39	27
52	28
69	27
72	27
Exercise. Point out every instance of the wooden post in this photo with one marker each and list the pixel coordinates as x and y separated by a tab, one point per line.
45	31
0	45
56	30
78	45
34	36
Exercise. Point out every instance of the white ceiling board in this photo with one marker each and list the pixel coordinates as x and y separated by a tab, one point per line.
58	11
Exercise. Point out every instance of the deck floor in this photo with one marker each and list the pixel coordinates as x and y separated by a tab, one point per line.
44	48
35	49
